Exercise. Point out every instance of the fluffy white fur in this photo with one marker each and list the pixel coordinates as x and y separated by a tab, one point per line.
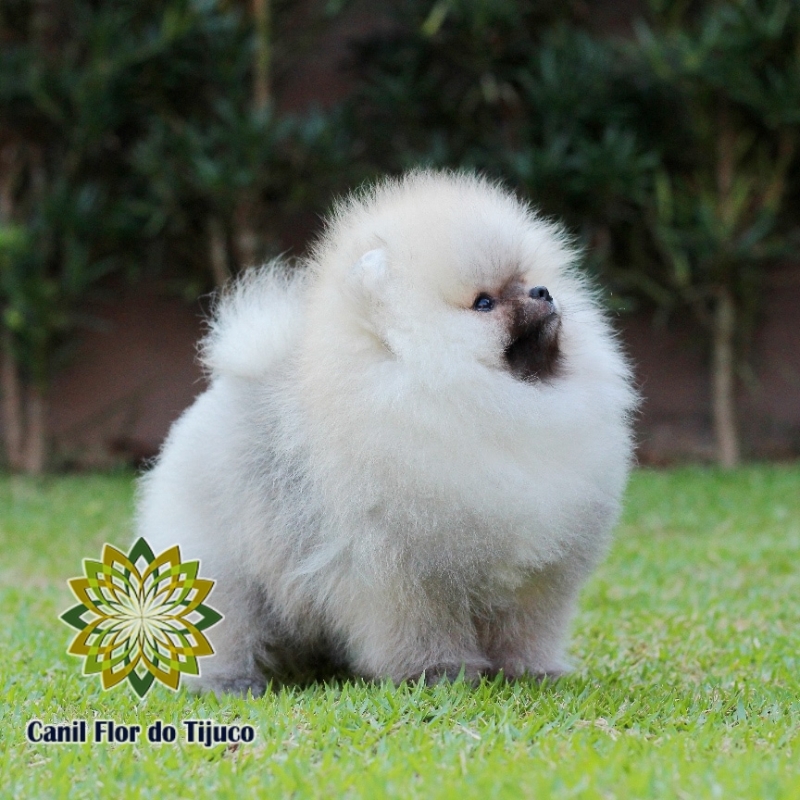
367	480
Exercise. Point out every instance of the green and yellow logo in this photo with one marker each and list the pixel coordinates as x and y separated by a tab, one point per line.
140	617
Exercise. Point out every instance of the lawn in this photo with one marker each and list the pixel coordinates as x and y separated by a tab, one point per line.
687	682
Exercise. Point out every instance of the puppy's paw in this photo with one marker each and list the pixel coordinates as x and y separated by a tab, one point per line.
551	675
447	673
240	686
513	669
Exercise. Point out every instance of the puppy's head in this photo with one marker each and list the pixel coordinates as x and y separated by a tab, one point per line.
444	268
530	323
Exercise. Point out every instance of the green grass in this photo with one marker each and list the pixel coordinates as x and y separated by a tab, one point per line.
687	685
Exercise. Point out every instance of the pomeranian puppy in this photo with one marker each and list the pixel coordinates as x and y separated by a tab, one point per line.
412	449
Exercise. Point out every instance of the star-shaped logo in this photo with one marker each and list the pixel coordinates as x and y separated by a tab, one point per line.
141	617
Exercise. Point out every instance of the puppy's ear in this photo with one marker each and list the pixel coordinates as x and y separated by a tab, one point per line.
370	272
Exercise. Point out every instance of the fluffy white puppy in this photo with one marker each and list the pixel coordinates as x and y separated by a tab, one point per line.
411	452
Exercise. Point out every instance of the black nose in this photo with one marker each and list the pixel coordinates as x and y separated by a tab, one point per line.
540	293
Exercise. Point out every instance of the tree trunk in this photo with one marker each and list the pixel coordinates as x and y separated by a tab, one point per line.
24	423
246	236
218	252
13	417
35	454
247	243
262	60
724	384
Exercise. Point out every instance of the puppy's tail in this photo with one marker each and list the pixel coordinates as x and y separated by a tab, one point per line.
255	321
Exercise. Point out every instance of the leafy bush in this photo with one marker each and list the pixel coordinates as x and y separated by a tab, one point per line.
128	134
673	154
139	137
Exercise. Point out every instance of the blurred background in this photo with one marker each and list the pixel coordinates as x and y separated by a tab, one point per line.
151	150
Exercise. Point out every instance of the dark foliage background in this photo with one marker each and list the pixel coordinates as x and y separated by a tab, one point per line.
143	139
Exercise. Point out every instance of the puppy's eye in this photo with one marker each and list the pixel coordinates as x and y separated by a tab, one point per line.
483	302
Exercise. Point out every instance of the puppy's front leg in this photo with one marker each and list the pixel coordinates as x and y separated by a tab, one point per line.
528	636
404	632
233	668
